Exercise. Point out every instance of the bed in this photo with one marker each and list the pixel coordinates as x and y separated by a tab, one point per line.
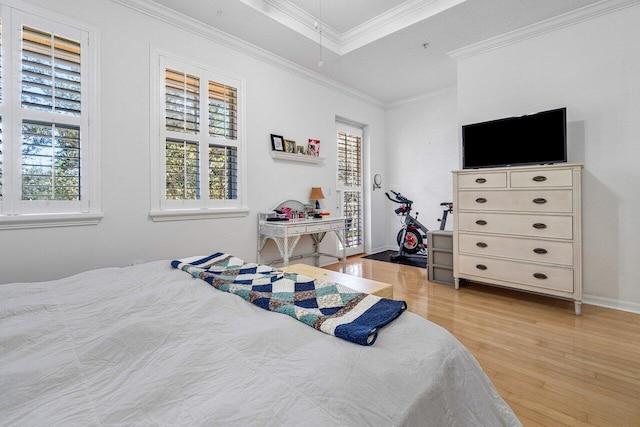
153	345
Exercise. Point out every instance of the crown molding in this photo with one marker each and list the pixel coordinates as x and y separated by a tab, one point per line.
300	21
561	21
169	16
393	20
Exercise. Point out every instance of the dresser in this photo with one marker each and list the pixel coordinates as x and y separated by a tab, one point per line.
520	228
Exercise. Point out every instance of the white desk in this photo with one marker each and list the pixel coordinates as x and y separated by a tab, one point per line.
286	235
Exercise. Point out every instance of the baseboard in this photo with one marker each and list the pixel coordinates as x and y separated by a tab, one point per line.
631	307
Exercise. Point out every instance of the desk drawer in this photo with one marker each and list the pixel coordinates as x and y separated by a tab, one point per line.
317	228
518	200
555	226
296	229
338	225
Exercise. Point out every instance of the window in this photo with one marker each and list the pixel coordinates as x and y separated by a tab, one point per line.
200	161
47	149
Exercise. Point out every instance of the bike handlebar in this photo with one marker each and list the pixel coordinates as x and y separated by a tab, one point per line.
399	198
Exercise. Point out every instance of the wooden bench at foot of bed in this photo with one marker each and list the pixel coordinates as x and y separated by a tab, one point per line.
360	284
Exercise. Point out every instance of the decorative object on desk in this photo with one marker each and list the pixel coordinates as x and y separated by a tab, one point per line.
313	147
289	146
316	194
377	181
277	142
301	149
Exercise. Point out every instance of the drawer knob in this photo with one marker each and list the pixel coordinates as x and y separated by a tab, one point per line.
481	222
539	178
539	225
481	180
540	201
540	251
481	267
481	245
540	276
481	200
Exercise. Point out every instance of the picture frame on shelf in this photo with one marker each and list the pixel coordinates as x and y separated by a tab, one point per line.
289	146
313	147
277	142
300	149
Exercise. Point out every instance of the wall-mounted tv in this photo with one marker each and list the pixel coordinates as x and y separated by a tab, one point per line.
539	138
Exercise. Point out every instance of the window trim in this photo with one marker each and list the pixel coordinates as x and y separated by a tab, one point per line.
201	209
14	214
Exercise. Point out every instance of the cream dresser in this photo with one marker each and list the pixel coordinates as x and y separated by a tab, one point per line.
520	227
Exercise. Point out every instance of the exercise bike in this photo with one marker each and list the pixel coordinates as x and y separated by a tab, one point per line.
413	234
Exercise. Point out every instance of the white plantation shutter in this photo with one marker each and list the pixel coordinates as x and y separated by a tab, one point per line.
349	144
182	104
1	157
183	170
51	149
182	115
51	72
2	108
223	111
223	173
50	162
201	139
47	148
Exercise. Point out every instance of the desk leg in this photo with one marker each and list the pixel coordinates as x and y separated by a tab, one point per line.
285	245
285	255
317	239
342	238
262	239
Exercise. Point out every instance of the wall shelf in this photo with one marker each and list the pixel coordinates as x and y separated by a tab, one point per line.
295	157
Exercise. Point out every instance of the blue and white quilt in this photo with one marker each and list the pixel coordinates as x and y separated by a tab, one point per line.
326	306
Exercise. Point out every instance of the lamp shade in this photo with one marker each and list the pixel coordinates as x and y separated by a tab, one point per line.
316	193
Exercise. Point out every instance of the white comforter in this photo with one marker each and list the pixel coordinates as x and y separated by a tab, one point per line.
149	345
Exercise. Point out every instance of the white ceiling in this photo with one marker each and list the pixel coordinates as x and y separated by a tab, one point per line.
373	46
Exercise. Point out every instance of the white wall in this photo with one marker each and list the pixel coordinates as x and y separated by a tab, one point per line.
277	101
592	68
422	151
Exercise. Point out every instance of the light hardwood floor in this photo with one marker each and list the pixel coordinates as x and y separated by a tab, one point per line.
552	367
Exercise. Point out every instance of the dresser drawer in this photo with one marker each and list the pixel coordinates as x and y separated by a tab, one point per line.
517	200
544	251
538	179
483	180
553	226
539	276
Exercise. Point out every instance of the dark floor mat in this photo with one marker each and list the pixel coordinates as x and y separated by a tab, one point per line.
386	257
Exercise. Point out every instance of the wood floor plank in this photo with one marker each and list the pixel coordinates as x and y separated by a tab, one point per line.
552	367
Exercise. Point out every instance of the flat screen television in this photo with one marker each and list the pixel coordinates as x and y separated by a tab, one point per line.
539	138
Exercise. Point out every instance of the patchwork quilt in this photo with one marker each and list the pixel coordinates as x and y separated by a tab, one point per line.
326	306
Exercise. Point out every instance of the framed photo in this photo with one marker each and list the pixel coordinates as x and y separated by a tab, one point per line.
300	149
277	142
313	148
289	146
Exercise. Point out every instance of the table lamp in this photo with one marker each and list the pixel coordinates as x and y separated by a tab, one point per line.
316	194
